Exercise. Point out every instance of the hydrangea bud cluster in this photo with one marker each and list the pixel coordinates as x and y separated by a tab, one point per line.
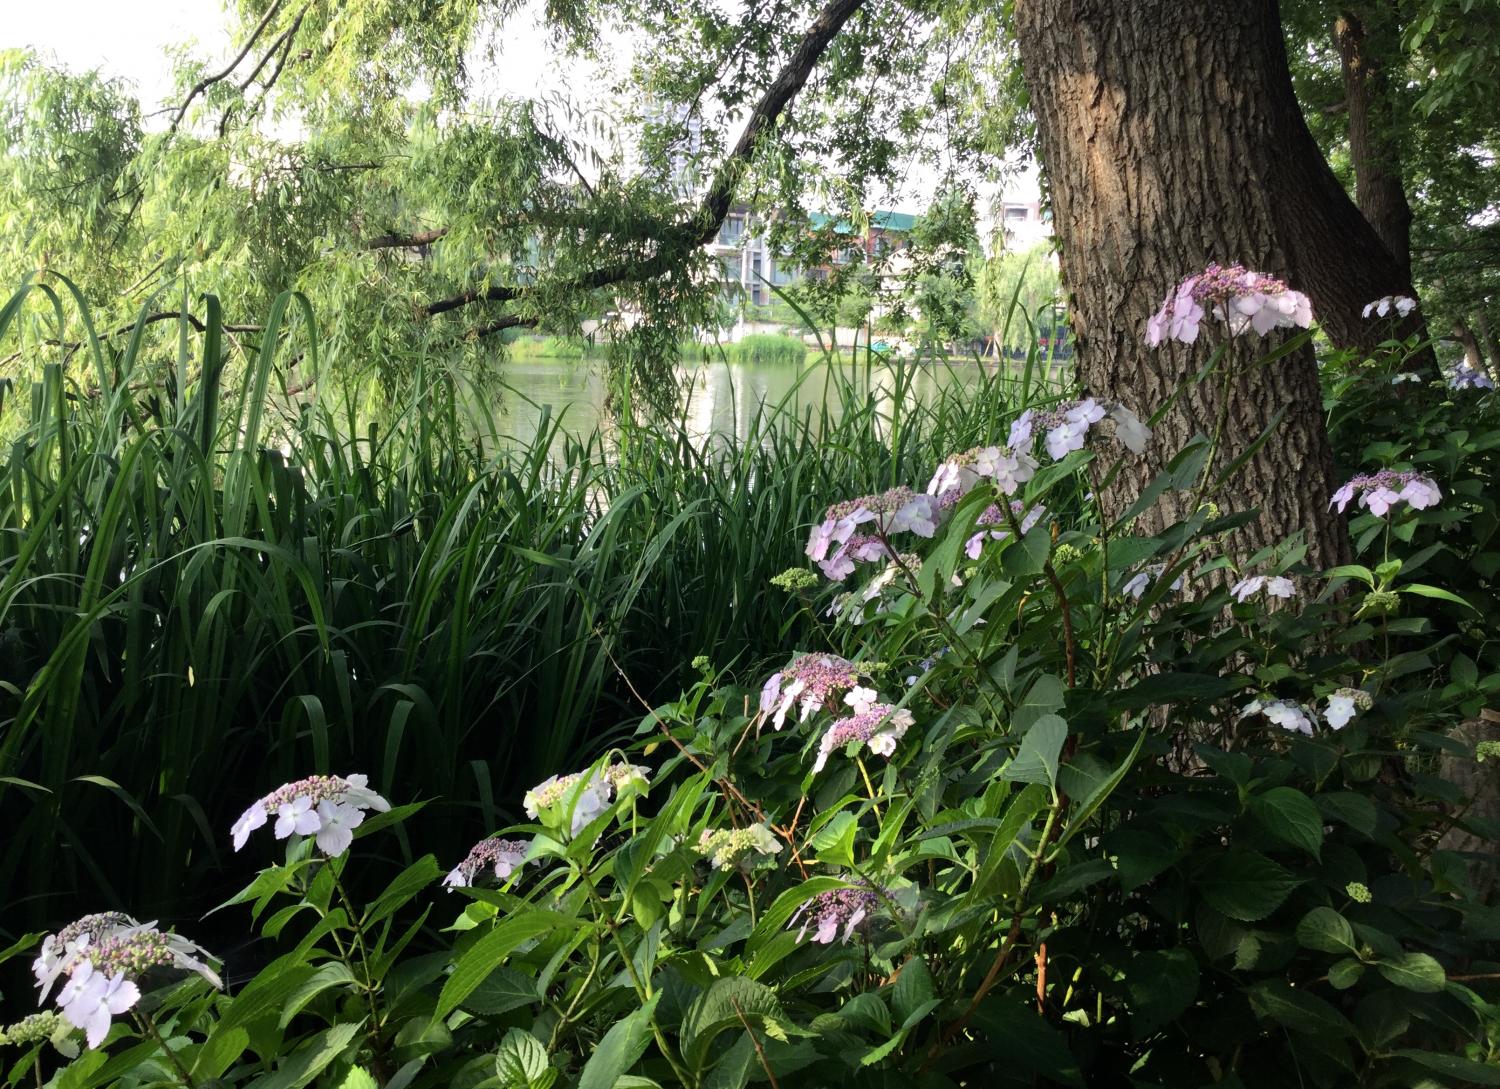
102	957
877	725
1287	714
958	475
1344	704
1232	293
794	579
1358	891
1067	426
993	515
502	857
35	1028
899	510
1467	377
738	848
1401	304
1273	585
812	682
327	807
835	914
1141	581
1379	492
586	794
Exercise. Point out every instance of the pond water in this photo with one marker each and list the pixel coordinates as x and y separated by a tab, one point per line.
719	398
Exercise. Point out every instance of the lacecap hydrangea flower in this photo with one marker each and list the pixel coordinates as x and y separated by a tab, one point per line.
1290	716
1401	304
585	794
1066	426
812	682
500	857
1344	704
738	848
878	725
835	915
993	515
833	545
102	957
1273	585
327	807
958	475
1379	492
1467	377
1141	581
1247	301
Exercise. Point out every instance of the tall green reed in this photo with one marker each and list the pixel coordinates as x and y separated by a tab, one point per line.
208	588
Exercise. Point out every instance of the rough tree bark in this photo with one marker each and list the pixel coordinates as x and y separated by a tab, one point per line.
1171	137
1364	39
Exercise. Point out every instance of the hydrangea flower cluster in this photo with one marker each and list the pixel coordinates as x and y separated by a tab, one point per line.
328	807
1379	492
878	725
1273	585
993	515
811	682
1141	581
1401	304
1344	704
834	546
1067	426
1405	376
586	793
502	857
102	957
958	475
1246	300
1287	714
1467	377
835	914
738	848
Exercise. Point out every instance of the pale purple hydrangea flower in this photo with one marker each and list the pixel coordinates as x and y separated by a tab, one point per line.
958	475
812	683
1379	492
1290	716
1402	304
1067	426
835	915
502	857
897	510
1137	585
1405	376
878	725
1467	377
328	807
860	548
1248	301
993	515
102	957
1274	586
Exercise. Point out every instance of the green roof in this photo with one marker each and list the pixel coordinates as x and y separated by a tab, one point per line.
886	221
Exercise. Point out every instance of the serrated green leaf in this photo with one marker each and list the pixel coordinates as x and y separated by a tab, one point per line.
1245	885
1291	817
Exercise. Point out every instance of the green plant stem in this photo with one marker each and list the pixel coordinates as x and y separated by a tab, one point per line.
145	1021
379	1067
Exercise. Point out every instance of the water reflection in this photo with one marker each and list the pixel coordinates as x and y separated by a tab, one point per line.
720	398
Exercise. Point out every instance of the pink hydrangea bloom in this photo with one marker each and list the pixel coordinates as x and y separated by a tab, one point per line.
1067	426
994	516
897	510
1274	586
502	857
1379	492
812	683
1467	377
1402	304
835	915
1141	581
1247	301
878	725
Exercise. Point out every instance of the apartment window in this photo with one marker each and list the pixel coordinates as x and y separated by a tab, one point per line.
730	263
731	230
1017	213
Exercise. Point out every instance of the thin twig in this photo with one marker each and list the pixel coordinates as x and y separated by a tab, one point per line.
760	1052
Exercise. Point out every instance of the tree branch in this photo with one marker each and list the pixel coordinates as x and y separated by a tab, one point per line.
208	81
404	241
677	239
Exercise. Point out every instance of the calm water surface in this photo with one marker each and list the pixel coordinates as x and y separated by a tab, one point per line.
719	398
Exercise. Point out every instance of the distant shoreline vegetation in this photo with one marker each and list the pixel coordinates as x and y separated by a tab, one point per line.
756	348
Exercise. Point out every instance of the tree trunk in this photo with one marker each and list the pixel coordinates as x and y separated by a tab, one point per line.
1363	41
1465	337
1171	137
1487	338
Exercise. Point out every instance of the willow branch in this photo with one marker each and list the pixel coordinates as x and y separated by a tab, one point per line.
218	77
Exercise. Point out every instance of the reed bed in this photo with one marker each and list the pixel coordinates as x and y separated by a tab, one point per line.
208	588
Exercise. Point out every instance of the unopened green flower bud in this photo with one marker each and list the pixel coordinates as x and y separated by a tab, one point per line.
1487	750
702	664
1066	554
794	579
1358	892
1380	603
